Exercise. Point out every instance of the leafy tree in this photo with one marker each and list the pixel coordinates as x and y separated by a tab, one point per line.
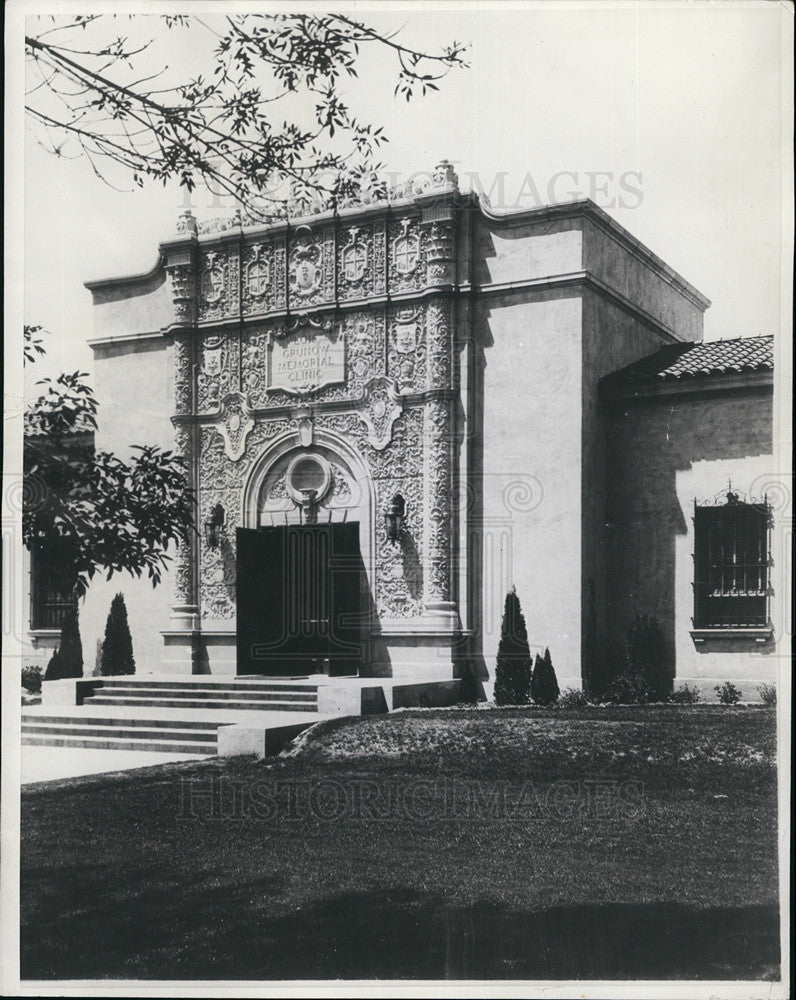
117	649
86	511
513	670
67	660
544	685
269	110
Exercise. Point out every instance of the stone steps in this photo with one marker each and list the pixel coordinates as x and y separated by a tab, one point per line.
137	713
103	743
265	705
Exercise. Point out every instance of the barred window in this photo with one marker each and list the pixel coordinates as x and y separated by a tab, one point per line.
731	564
48	601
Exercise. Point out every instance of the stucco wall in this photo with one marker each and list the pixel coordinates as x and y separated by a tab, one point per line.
635	279
662	456
611	339
531	473
132	384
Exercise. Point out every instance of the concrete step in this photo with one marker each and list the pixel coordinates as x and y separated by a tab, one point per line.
133	732
279	694
106	743
203	682
82	720
271	705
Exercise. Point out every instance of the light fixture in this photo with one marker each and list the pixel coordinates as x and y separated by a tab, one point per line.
394	517
214	526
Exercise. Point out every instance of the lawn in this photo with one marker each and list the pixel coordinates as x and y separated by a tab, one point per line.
518	843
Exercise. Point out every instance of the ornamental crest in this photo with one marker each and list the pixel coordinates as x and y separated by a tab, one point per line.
305	271
213	279
258	273
405	332
355	258
406	251
235	420
379	410
213	357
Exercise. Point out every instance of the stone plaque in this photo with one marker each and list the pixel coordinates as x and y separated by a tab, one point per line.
306	360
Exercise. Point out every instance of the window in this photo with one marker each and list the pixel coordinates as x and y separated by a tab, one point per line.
48	603
731	557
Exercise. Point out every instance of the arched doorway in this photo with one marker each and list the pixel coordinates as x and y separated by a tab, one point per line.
304	559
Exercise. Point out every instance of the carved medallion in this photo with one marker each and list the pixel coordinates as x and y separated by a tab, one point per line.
355	258
405	332
406	250
213	279
305	271
258	273
236	419
379	410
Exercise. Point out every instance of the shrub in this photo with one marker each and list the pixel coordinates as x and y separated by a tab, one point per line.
646	655
685	695
628	689
728	693
67	660
117	647
768	694
573	698
31	679
513	671
544	684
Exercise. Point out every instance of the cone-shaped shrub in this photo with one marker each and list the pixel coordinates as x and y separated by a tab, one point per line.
544	684
117	648
513	672
67	660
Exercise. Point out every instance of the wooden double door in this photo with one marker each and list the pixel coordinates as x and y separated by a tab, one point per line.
298	599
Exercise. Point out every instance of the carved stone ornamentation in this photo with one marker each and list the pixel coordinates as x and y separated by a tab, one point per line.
355	263
306	273
218	287
379	410
438	243
407	270
182	281
214	376
183	372
236	419
257	278
255	365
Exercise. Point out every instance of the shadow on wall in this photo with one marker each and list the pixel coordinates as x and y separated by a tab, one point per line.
649	446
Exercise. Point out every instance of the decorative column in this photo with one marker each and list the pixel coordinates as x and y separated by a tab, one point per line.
439	501
180	265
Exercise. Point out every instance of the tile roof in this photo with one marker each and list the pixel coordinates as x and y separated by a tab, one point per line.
677	362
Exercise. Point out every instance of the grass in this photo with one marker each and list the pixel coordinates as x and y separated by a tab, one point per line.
589	843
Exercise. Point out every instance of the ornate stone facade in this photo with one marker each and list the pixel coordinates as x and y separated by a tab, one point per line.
286	333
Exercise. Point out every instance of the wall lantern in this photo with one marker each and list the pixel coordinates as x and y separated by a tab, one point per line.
214	527
394	517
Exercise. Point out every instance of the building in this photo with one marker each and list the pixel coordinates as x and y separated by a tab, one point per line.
395	412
